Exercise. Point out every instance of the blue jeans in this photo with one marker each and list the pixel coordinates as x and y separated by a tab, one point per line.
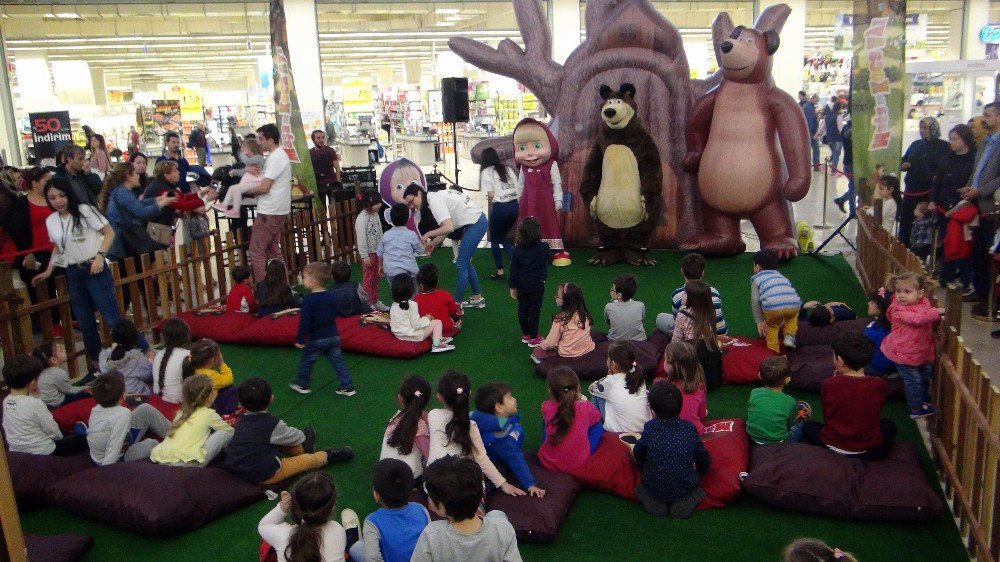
474	233
794	433
814	142
502	219
89	292
329	348
917	381
600	404
835	148
850	194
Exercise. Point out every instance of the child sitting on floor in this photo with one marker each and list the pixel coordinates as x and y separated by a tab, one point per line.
624	315
572	424
274	293
197	434
671	457
115	433
27	423
774	302
910	344
878	306
455	490
399	246
692	269
621	396
253	157
695	323
772	415
318	335
168	364
241	297
313	536
54	387
570	332
852	403
454	433
352	299
206	359
819	314
406	322
436	302
529	268
680	362
500	427
392	531
125	357
368	233
254	452
407	436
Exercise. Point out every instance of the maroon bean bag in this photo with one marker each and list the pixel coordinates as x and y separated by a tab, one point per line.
824	335
816	480
153	499
168	409
57	548
271	330
32	474
537	520
594	365
610	468
223	327
377	341
810	365
67	416
741	361
727	442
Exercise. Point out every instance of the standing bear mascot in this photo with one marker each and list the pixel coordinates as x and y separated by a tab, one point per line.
622	181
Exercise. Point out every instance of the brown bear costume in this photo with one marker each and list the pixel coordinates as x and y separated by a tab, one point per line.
622	181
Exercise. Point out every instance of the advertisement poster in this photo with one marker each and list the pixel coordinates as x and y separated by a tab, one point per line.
289	119
50	131
877	82
166	117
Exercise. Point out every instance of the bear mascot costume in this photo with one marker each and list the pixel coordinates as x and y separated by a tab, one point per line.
734	134
622	181
536	151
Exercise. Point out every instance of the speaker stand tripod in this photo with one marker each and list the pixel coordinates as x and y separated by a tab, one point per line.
839	231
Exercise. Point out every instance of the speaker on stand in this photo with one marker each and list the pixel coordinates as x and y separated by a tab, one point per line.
455	108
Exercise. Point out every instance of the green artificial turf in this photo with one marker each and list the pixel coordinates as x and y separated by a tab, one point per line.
600	526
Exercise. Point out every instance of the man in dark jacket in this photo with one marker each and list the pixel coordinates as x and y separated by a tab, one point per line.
809	110
85	185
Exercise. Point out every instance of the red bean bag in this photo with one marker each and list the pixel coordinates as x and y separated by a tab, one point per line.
810	365
824	335
67	416
373	340
727	442
168	409
271	330
537	520
223	327
816	480
594	365
57	548
610	468
741	361
32	474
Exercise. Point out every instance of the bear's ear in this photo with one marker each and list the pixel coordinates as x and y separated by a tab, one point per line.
606	91
627	89
772	39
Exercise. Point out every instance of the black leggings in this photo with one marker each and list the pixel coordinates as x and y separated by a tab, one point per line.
70	445
529	307
811	434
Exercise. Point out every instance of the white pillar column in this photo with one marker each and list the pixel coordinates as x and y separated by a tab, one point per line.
977	14
564	25
10	145
787	69
303	49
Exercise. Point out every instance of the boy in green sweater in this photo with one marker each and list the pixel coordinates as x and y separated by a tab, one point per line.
772	415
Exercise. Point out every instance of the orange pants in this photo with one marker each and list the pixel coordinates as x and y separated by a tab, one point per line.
775	320
297	461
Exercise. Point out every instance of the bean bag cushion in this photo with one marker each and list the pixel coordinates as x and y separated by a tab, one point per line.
32	474
223	327
148	498
168	409
810	365
271	331
373	340
57	548
741	361
79	411
817	480
659	339
824	335
594	365
538	520
727	442
610	468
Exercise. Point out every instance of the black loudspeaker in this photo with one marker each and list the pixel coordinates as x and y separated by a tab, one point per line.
455	100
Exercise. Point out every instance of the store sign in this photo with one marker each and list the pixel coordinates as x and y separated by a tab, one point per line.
990	33
50	131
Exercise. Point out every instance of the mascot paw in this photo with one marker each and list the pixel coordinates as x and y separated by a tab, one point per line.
714	245
638	257
607	257
786	248
690	162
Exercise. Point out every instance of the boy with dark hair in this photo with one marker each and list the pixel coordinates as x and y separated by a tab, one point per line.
436	302
500	427
27	422
352	300
399	246
241	298
820	314
852	403
391	532
774	302
692	269
624	315
253	453
671	456
317	335
115	433
455	488
772	415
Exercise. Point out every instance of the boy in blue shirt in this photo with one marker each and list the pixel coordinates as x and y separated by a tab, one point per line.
773	300
399	246
391	532
318	335
500	427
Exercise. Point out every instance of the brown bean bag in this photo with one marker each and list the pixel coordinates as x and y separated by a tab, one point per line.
32	474
153	499
221	326
824	335
727	442
594	365
537	520
810	365
817	480
57	548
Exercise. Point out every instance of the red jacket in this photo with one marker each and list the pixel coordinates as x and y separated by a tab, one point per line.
241	299
911	341
442	306
956	247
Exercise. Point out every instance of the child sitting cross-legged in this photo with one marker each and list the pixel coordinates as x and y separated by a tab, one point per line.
391	532
115	433
500	427
852	404
680	362
125	357
27	423
274	293
168	364
624	315
197	434
241	297
692	269
572	424
407	436
437	302
254	452
570	332
455	489
621	396
54	387
406	322
671	456
772	415
312	536
352	299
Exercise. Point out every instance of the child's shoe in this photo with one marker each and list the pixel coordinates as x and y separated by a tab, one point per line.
441	347
350	522
525	338
346	391
339	454
380	307
299	388
803	409
446	340
80	429
535	341
923	411
789	341
469	303
309	443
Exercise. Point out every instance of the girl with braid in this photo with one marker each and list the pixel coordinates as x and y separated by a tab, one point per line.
168	364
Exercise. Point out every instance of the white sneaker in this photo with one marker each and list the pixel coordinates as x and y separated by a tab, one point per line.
379	307
789	341
446	340
469	303
349	519
442	347
298	388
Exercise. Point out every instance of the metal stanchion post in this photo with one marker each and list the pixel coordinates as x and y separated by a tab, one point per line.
823	225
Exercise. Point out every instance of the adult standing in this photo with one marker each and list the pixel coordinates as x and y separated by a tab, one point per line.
833	138
133	140
812	121
453	211
100	160
500	185
982	187
326	164
85	185
172	151
274	201
82	237
127	214
920	163
26	224
198	142
954	170
849	197
802	98
141	164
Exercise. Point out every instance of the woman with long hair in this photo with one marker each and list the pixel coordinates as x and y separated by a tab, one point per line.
500	185
920	162
26	225
100	160
954	169
126	213
274	293
141	164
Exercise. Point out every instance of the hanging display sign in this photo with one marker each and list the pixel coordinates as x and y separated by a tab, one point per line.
50	131
166	117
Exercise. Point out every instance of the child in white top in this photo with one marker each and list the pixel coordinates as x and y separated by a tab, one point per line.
123	356
368	233
310	505
253	157
405	320
115	433
887	190
407	436
622	396
168	364
454	433
54	387
27	423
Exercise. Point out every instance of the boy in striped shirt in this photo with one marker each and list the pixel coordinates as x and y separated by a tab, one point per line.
774	302
692	268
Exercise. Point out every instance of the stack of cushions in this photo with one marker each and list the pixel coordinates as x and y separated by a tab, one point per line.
537	520
594	365
32	475
817	480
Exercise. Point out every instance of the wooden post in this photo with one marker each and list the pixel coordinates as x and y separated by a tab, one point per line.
12	536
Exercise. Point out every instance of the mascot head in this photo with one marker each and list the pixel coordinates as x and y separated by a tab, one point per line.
394	179
746	55
618	108
534	144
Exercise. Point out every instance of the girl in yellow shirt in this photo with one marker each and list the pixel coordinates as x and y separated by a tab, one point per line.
198	434
206	359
